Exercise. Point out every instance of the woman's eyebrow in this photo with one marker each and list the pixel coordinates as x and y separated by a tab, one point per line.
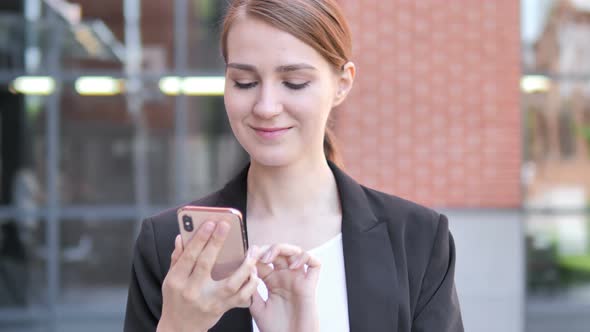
279	69
241	66
294	67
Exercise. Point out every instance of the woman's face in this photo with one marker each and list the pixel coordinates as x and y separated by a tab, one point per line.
278	93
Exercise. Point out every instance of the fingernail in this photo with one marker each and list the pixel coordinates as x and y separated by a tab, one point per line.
250	254
208	227
266	257
254	250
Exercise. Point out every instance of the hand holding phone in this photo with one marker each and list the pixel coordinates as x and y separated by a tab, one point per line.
191	298
233	252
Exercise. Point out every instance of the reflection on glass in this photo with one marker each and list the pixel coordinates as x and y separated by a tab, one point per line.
210	135
95	260
21	154
96	159
46	42
104	116
204	25
22	261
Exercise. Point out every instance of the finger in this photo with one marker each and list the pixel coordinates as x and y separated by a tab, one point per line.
300	260
258	305
313	268
264	270
208	256
243	299
305	259
259	252
191	252
313	261
280	249
232	284
281	263
177	251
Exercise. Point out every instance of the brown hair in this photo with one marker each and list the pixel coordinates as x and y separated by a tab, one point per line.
318	23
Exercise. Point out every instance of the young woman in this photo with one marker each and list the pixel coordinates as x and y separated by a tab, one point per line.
344	257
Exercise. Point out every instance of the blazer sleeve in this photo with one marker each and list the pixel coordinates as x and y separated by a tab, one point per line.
144	301
438	306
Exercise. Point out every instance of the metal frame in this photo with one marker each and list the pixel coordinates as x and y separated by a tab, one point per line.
181	107
53	152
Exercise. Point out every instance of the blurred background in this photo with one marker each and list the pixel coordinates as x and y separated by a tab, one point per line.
112	110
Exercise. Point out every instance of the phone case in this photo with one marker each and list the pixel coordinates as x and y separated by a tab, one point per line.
232	254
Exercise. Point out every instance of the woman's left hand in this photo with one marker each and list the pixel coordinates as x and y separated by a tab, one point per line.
291	304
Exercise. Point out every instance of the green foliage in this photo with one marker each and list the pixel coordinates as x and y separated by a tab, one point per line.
574	269
575	263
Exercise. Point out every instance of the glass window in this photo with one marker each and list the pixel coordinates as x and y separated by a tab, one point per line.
204	32
556	92
89	148
22	146
88	270
23	262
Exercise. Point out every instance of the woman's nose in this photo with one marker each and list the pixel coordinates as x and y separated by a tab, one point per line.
268	104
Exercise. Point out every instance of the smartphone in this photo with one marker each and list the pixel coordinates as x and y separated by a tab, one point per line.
233	252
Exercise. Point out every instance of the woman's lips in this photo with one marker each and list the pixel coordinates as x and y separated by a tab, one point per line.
270	133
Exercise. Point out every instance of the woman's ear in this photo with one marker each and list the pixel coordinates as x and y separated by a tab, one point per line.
345	81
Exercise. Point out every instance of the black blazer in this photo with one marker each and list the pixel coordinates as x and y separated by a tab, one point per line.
399	260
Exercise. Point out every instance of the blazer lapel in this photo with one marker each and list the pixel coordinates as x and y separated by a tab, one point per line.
371	276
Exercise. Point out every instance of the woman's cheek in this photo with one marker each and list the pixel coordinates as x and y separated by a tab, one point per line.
233	108
232	115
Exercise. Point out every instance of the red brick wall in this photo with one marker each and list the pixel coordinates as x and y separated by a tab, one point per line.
434	115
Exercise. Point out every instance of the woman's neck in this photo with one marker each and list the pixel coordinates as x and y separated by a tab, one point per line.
298	190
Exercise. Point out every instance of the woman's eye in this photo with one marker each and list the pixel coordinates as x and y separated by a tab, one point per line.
245	85
296	86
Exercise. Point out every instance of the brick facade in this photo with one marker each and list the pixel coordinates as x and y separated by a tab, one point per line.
435	115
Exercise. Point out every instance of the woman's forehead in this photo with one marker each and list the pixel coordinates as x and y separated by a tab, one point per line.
252	41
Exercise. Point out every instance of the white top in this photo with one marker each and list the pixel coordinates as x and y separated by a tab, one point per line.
331	293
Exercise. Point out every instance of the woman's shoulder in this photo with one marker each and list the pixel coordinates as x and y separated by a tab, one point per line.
419	235
405	216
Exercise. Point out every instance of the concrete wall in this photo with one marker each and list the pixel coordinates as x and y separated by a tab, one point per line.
490	271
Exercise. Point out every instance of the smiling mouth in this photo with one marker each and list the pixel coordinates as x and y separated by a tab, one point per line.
271	130
269	133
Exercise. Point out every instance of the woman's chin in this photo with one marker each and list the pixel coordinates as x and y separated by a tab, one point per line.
271	159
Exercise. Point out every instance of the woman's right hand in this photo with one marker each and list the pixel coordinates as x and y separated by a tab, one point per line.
192	300
291	285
